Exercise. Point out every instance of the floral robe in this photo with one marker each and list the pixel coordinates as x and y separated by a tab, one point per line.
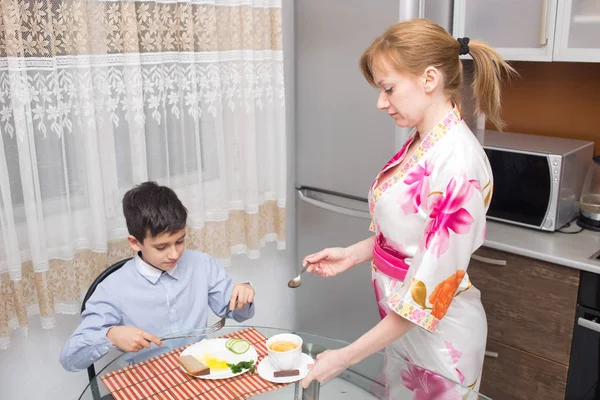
431	212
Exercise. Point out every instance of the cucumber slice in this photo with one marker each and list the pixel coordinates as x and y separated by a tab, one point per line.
240	347
230	343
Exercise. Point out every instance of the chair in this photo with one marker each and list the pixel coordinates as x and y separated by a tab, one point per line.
91	370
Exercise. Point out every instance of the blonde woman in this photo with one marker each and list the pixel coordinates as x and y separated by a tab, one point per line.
428	207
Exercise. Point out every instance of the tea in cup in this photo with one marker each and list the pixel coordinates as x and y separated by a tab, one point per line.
285	350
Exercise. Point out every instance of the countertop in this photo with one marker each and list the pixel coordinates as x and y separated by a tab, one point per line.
570	250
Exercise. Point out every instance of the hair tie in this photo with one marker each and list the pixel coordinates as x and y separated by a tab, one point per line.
464	46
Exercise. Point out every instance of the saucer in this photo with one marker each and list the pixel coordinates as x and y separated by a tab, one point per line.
265	370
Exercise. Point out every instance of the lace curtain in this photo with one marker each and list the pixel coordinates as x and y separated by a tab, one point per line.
97	96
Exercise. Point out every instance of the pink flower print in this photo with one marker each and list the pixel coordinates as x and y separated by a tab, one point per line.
447	214
475	184
461	377
455	354
419	315
378	296
418	190
426	385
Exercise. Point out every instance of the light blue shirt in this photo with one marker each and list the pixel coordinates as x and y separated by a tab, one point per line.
157	302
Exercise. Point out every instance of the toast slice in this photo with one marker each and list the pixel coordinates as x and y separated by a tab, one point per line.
193	366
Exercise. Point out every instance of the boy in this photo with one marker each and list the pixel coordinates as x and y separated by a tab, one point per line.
163	290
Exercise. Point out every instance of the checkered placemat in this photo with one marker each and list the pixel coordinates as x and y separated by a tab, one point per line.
161	378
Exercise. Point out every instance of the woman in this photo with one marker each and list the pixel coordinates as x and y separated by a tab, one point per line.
428	207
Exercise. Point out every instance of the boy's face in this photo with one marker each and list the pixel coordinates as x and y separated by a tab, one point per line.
161	251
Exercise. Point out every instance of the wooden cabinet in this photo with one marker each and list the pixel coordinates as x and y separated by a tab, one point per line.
530	308
533	30
517	374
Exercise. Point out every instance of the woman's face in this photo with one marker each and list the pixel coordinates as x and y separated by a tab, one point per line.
401	95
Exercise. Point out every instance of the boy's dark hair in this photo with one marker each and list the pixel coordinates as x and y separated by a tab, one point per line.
153	209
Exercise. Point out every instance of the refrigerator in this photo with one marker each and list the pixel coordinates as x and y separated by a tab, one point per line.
341	143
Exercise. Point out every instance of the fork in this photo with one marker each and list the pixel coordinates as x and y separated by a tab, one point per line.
210	329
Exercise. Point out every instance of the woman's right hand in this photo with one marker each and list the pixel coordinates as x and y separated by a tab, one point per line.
330	262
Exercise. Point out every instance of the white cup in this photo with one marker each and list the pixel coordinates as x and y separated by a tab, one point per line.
285	359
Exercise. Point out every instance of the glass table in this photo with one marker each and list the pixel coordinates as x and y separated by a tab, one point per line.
363	381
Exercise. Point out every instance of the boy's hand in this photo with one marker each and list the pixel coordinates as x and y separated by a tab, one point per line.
130	338
242	294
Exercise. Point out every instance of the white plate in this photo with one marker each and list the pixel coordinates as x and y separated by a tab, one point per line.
265	370
216	347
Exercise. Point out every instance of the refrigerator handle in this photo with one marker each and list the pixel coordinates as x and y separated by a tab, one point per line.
586	323
332	207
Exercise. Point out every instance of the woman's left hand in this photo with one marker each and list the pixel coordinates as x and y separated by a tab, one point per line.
329	364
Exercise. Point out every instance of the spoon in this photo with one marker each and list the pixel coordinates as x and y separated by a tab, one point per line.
297	281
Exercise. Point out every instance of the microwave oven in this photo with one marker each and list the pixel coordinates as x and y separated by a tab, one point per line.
537	179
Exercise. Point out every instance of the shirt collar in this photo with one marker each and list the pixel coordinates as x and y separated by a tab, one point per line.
151	273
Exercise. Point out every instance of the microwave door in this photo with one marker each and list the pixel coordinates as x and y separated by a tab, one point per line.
523	187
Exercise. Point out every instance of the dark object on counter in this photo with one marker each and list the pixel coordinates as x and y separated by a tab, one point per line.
589	204
588	223
286	372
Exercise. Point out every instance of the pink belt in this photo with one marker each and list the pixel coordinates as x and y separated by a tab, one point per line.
388	263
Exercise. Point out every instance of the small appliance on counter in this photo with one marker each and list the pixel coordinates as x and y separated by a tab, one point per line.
589	204
538	180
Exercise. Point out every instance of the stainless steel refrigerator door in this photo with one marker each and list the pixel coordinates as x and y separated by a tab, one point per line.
342	307
342	140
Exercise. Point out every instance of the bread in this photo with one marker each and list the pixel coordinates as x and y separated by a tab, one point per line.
193	366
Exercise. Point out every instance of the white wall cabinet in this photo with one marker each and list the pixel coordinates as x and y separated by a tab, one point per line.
517	29
533	30
577	35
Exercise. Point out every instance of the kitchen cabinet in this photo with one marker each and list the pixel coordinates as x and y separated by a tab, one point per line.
533	30
516	374
518	30
577	31
530	307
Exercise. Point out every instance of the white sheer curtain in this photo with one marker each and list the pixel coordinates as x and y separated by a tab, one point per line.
98	96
